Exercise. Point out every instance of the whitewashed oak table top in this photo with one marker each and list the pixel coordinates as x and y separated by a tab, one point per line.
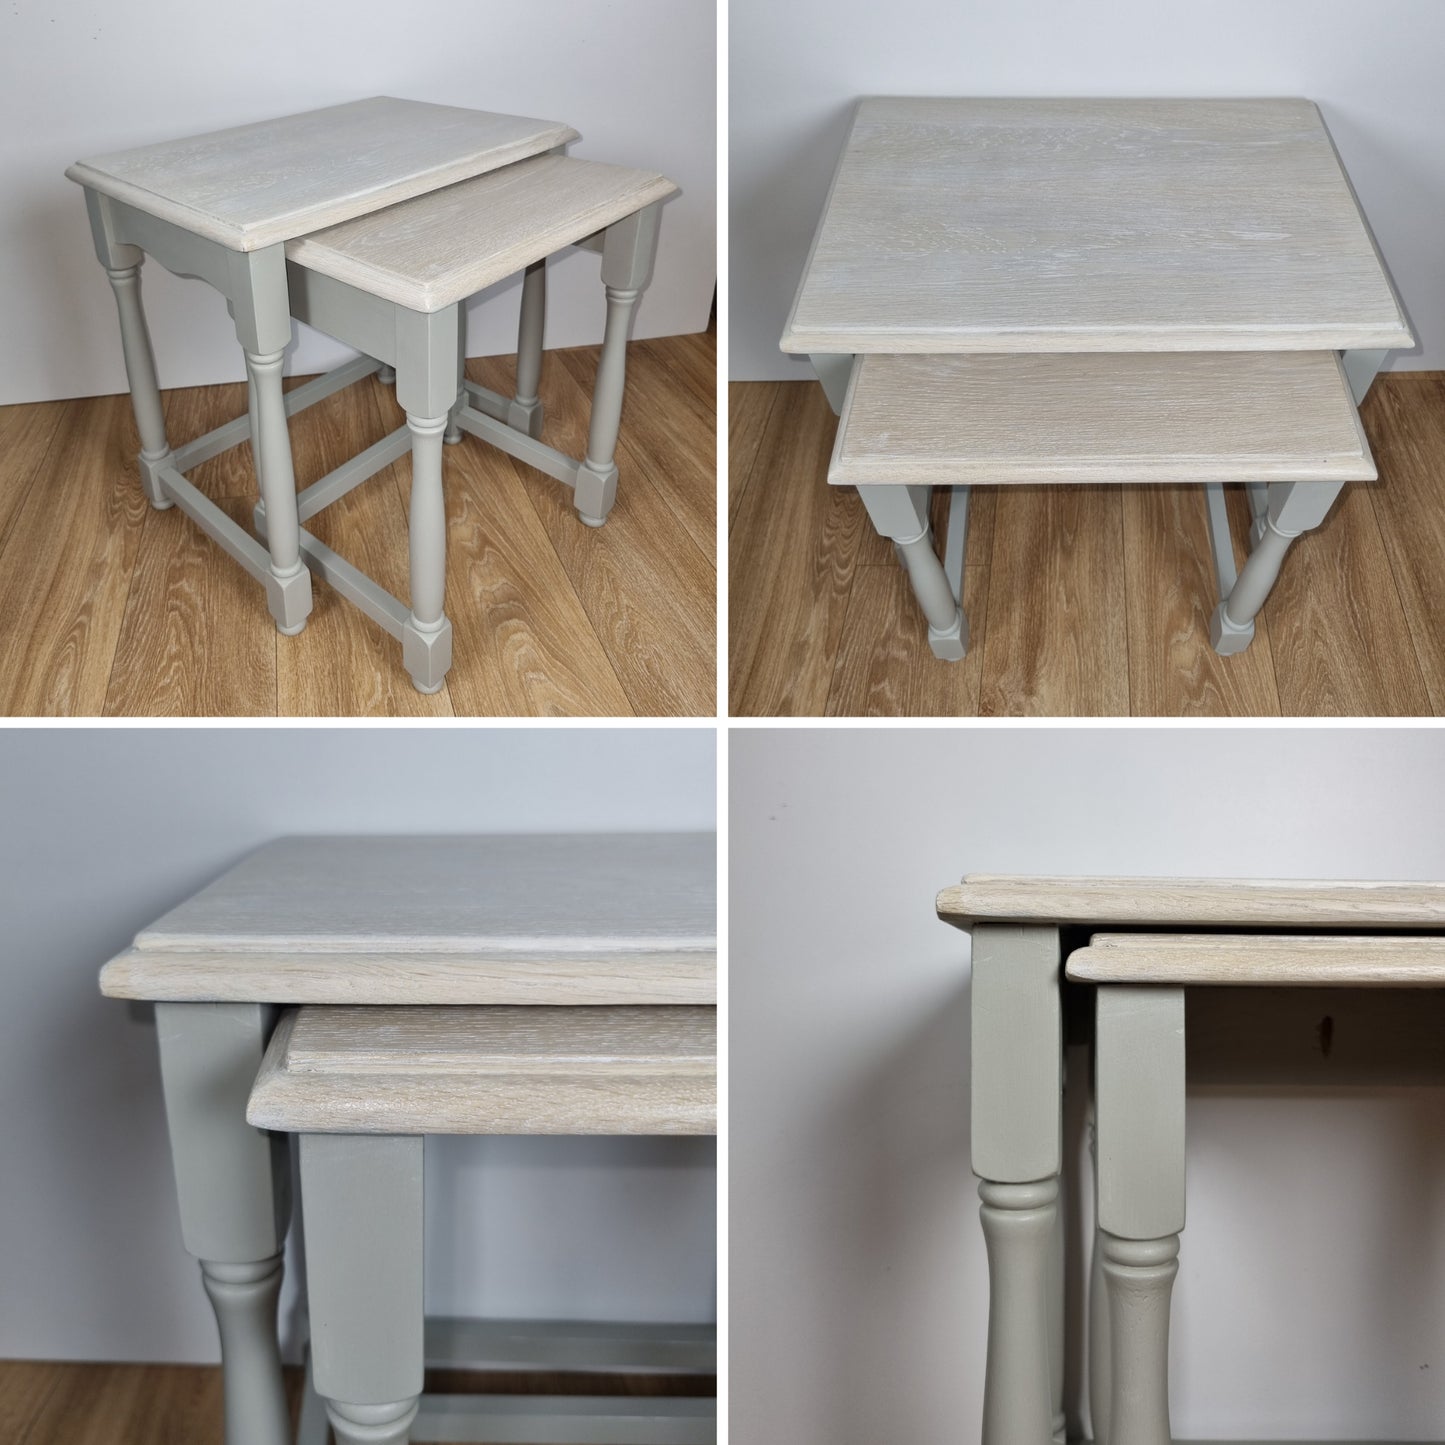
525	919
1205	416
989	225
253	185
1188	902
462	1070
449	244
1270	960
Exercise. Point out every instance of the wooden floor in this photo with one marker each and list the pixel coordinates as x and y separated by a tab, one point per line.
112	608
45	1403
822	620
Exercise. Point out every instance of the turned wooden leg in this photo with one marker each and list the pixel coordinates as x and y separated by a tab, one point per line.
524	411
290	597
1017	1090
901	513
427	637
1057	1319
1294	507
1100	1365
140	371
386	374
362	1200
1139	1067
233	1189
596	486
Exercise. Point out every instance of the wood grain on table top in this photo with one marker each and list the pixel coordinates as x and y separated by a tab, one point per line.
1153	417
253	185
989	225
1273	960
490	1071
1216	902
584	919
448	244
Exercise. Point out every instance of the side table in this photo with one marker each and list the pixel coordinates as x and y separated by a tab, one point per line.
556	920
1020	926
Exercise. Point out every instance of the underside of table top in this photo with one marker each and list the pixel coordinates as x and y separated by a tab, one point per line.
253	185
989	225
1193	902
559	919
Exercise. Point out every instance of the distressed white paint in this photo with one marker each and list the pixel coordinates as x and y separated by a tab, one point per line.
796	70
636	78
1133	417
451	243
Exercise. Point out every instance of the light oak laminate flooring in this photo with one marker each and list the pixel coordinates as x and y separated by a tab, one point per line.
44	1402
1082	600
111	608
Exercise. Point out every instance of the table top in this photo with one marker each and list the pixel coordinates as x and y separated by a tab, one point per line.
522	919
1091	225
1272	960
1193	416
253	185
460	1070
1207	902
442	247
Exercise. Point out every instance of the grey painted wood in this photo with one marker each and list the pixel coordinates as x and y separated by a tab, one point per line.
1016	1091
1100	1361
232	1184
1139	1056
524	412
576	1419
901	514
992	225
253	185
566	919
594	1346
362	1196
272	447
427	638
834	373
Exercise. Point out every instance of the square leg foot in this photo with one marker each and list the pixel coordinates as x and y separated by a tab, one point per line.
594	493
1226	637
427	655
150	479
289	600
526	417
950	645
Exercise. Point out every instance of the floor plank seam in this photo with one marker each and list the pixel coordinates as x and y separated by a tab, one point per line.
775	390
1420	661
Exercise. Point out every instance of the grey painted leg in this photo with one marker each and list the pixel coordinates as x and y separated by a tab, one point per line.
290	597
835	370
426	643
1056	1319
1294	507
524	411
454	429
362	1199
232	1184
1100	1362
901	513
140	371
386	375
1016	1103
1139	1062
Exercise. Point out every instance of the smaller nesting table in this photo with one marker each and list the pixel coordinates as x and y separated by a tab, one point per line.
1079	291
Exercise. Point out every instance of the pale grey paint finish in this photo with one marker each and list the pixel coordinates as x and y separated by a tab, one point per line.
362	1197
232	1182
575	1419
991	225
253	185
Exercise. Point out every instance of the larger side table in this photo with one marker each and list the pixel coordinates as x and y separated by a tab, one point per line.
575	920
972	230
1017	924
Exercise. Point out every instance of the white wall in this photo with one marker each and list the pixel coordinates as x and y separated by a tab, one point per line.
103	830
637	78
1375	70
1309	1300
